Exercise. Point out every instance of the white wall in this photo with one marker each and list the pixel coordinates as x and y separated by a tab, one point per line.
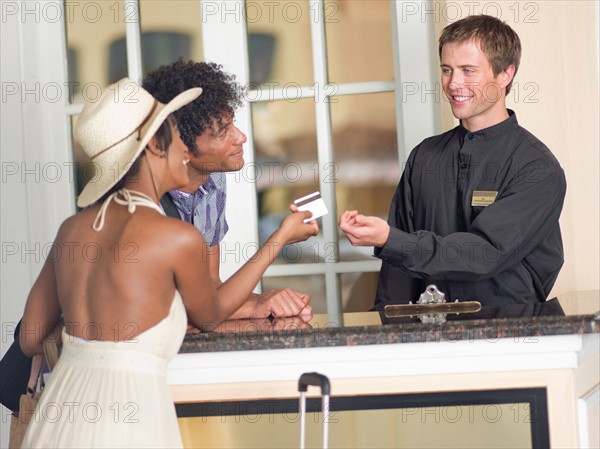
15	277
37	184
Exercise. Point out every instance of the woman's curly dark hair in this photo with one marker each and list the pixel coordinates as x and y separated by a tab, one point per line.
221	95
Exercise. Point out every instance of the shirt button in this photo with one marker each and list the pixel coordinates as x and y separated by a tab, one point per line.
464	165
470	136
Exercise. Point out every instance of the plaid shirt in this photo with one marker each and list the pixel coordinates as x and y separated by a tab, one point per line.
205	208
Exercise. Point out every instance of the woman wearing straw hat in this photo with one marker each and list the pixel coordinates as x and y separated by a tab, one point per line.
123	277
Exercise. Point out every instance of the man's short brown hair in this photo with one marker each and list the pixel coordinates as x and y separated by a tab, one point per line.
497	40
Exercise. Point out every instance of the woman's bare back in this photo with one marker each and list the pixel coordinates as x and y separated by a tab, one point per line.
117	282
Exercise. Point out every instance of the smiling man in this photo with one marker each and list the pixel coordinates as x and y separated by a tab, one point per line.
216	146
476	211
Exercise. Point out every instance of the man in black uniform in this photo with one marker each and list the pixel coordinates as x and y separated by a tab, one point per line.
476	211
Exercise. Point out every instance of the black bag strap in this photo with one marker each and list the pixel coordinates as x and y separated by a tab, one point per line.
169	206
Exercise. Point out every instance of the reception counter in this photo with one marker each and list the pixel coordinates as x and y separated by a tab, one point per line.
520	376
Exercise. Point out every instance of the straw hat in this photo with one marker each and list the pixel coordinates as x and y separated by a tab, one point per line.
114	130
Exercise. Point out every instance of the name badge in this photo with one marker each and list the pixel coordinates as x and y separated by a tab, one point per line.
483	197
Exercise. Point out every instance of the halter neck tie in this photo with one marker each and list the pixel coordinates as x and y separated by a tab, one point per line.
125	197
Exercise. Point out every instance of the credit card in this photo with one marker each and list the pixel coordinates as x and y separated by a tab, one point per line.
313	203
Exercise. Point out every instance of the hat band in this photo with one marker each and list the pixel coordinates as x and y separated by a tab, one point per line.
138	130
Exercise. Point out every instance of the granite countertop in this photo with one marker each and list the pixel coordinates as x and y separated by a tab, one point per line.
572	313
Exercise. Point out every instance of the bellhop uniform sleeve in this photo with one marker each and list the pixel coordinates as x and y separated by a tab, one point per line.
395	284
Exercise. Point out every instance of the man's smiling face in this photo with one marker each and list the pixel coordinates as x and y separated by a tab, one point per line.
476	95
220	149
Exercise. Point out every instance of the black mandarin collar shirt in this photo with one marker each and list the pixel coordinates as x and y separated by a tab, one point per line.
475	213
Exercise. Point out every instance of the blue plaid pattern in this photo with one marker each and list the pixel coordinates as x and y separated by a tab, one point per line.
205	208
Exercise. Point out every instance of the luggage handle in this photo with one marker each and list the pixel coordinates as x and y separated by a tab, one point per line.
316	380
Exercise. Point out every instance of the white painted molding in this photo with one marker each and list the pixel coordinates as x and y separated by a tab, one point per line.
385	360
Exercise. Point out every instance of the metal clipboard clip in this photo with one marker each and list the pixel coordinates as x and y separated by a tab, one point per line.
431	307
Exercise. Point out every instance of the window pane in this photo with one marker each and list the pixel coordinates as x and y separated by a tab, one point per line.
359	40
285	145
314	285
358	291
170	29
279	43
366	156
92	26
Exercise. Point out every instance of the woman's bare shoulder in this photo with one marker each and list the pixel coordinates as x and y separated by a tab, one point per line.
74	223
176	234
